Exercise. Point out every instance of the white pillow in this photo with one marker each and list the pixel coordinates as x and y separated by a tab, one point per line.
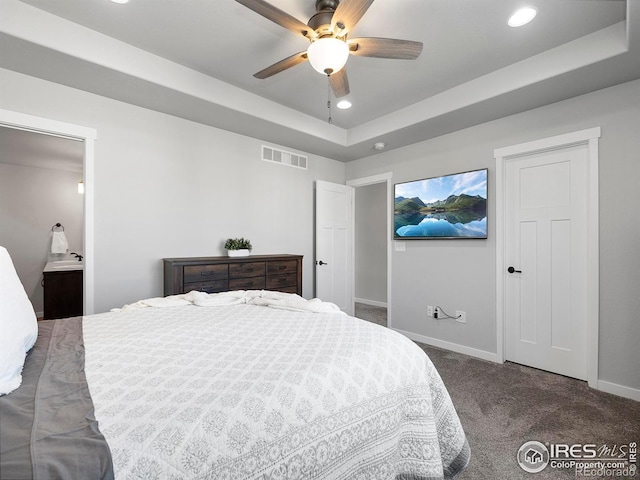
18	325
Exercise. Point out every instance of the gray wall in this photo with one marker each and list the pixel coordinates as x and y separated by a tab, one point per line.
460	274
31	201
167	187
371	243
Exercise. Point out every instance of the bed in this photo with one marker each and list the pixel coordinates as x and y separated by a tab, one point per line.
240	385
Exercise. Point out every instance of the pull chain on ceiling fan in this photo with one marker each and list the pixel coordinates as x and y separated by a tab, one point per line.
327	31
330	120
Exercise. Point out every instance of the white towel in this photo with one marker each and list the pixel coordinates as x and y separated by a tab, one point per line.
59	243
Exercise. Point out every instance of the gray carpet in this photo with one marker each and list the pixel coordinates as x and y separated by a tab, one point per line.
372	314
503	406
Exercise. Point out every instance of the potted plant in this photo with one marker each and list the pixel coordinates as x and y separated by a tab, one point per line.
238	247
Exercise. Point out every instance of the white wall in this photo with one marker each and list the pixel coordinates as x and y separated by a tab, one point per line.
32	200
371	243
460	274
167	187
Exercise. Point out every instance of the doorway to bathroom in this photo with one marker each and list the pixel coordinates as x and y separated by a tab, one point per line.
43	163
40	178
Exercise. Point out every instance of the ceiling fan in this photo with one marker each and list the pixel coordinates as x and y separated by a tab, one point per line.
327	31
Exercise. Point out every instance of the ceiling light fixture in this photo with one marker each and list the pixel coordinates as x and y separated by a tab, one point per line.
522	16
120	1
379	145
328	55
343	104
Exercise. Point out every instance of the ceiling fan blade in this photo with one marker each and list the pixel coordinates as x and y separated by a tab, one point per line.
348	13
278	16
278	67
385	48
339	83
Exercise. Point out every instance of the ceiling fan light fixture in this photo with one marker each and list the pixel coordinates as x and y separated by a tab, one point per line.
522	16
328	55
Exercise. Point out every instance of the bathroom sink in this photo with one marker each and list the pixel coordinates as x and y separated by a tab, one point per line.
68	266
63	265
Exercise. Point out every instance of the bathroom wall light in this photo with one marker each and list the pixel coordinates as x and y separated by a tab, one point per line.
81	187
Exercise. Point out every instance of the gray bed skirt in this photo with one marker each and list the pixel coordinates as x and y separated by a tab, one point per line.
47	426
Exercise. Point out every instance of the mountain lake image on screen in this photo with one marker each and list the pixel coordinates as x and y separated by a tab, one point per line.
450	206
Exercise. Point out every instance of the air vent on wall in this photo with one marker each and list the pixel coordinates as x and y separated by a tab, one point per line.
273	155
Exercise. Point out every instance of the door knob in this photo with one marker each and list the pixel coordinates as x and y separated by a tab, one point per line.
321	263
513	270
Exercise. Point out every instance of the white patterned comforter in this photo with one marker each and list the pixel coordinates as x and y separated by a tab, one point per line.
251	392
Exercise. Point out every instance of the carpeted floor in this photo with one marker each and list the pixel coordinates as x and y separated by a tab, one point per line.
372	314
503	406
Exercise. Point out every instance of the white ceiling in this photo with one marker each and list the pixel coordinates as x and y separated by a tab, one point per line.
474	68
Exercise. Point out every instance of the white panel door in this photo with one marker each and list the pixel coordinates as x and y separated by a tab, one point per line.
546	254
334	244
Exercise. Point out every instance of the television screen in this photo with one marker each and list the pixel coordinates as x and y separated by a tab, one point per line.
451	206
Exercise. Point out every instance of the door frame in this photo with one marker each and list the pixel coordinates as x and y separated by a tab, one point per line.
363	182
587	137
46	126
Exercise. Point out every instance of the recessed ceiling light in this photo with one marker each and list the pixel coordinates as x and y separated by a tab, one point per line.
120	1
343	104
379	145
522	16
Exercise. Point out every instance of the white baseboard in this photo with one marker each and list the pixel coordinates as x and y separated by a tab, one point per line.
373	303
620	390
39	314
454	347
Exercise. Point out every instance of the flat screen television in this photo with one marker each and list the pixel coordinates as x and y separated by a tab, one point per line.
450	206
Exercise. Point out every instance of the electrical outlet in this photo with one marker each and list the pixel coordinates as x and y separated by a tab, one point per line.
436	312
429	311
461	316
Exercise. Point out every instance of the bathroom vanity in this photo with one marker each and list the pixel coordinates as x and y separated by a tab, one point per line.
63	289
